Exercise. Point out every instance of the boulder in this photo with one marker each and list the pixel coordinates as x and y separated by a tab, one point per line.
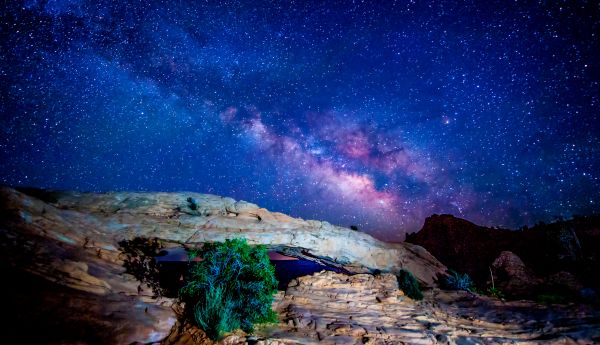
512	276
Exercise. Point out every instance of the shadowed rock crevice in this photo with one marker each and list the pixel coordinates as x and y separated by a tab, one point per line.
142	258
42	312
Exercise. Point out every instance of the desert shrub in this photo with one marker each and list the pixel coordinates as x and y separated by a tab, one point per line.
232	287
457	281
551	298
140	261
408	283
192	204
494	292
215	313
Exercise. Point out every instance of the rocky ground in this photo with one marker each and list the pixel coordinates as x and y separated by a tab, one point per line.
79	269
333	308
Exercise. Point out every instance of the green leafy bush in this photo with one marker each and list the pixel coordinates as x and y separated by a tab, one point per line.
215	313
408	283
231	288
192	204
457	281
494	292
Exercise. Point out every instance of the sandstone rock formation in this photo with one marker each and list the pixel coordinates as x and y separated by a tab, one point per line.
64	266
565	246
512	276
190	219
329	308
63	258
332	308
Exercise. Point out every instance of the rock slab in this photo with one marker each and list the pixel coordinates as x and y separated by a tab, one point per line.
60	253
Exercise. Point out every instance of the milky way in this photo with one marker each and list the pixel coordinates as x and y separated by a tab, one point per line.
374	114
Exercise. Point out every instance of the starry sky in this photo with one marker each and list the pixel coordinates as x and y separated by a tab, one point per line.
368	113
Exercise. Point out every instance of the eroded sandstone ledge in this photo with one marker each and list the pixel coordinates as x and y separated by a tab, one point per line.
60	253
332	308
329	308
65	280
103	220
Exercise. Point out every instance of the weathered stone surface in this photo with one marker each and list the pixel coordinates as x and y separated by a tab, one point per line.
64	249
57	291
102	220
512	276
68	285
332	308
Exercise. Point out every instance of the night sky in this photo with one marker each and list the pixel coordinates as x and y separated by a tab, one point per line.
375	114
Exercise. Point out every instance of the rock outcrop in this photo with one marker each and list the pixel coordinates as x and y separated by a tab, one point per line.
77	269
565	246
332	308
63	259
329	308
190	219
462	245
513	277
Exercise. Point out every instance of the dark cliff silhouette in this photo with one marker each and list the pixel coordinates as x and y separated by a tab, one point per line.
563	246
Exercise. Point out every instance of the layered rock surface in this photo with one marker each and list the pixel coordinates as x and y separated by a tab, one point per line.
332	308
190	219
329	308
64	267
63	260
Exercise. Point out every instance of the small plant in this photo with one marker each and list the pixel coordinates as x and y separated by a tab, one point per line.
232	287
493	292
215	314
408	283
477	291
456	281
192	203
551	298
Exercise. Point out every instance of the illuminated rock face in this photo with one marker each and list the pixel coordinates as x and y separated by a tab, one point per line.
332	308
68	245
190	219
63	257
